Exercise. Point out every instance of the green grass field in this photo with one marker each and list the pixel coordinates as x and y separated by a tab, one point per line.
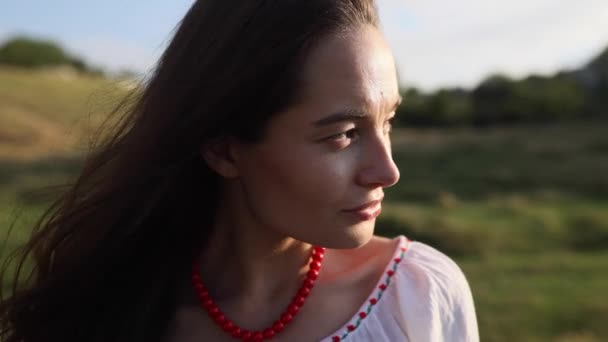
523	210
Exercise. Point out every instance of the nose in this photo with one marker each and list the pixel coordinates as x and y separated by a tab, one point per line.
377	166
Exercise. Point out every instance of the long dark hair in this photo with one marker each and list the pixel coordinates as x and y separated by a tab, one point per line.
107	255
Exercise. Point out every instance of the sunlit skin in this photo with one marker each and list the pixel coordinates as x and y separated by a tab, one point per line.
321	158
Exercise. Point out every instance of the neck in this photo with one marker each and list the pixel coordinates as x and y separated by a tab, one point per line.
246	262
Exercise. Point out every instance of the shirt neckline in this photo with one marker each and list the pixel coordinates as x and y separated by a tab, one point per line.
370	306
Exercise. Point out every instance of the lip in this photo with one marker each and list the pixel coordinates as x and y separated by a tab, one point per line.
366	211
364	206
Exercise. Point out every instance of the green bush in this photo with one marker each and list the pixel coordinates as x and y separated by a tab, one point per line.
30	53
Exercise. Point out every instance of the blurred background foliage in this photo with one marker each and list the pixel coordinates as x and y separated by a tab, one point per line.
510	178
34	53
568	95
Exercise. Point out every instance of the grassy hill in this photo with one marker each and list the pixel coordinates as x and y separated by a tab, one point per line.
51	111
524	210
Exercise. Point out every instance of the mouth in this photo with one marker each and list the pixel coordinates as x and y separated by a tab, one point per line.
367	211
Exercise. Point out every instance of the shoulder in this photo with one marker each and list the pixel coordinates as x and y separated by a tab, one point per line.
424	262
434	295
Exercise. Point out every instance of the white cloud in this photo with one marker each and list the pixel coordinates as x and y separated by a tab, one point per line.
459	43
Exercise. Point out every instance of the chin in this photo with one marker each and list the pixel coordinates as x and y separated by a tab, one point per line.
353	236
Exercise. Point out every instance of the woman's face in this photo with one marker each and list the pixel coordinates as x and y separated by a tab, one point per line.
320	171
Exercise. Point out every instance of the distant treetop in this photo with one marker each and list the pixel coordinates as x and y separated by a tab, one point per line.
34	53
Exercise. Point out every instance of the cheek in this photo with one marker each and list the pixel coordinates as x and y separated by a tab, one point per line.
302	175
302	185
301	194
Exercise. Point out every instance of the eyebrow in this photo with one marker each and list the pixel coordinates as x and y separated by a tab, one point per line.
348	115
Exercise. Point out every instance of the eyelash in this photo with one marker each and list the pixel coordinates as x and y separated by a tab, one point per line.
391	122
345	134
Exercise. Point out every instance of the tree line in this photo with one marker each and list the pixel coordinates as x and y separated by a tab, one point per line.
567	95
35	53
499	99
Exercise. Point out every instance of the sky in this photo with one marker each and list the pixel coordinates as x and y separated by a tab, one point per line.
436	43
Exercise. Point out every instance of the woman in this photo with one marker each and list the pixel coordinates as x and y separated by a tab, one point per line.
237	199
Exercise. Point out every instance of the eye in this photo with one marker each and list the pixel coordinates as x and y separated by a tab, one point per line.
343	139
388	125
350	134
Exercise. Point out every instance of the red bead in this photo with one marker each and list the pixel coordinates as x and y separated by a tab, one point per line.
220	319
315	265
397	260
228	326
286	318
351	327
390	273
246	335
309	283
336	339
318	250
293	309
298	300
403	249
207	303
362	314
304	292
269	333
382	287
373	301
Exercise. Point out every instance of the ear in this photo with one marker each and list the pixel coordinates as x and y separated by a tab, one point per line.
219	156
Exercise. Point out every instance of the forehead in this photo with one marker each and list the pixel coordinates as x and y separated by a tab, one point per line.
352	70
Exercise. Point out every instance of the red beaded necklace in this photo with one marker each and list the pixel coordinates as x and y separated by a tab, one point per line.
292	309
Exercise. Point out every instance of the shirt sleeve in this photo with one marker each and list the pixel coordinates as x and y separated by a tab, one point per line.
434	297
